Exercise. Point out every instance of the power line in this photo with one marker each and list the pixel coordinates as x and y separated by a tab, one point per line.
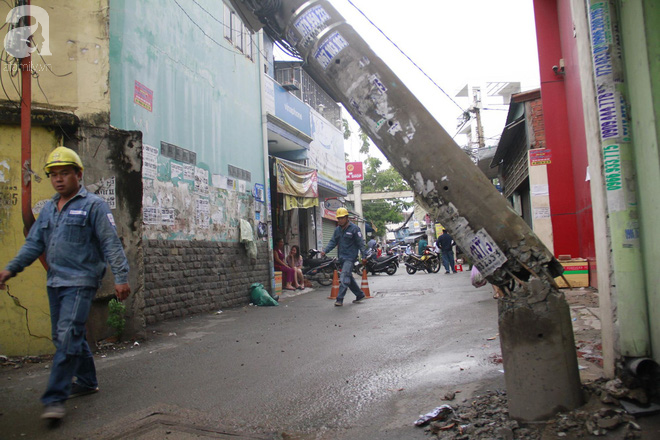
248	33
35	75
406	55
2	83
204	32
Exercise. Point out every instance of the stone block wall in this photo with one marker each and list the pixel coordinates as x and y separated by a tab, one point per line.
187	277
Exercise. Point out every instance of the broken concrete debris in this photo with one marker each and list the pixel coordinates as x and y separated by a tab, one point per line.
487	417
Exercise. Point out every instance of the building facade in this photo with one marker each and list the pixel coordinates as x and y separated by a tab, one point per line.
600	87
167	117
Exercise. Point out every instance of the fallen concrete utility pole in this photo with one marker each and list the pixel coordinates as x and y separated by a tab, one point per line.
537	342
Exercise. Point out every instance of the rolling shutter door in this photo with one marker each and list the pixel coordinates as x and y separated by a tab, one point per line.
329	229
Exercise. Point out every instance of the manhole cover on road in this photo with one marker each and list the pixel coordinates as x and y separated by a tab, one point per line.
392	292
171	423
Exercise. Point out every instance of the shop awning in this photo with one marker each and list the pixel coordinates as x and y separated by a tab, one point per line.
412	237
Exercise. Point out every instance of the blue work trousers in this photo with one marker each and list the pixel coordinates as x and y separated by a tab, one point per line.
69	309
347	281
448	261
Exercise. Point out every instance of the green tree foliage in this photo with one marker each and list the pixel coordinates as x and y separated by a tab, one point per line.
347	129
376	180
380	212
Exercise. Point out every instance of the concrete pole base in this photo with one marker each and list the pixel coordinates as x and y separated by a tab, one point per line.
539	356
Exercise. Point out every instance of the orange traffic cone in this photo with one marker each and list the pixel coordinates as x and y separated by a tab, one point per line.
365	284
335	286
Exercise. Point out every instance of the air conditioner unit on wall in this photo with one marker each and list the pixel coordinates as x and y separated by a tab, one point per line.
291	84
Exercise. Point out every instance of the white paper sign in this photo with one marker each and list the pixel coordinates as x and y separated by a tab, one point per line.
188	172
107	192
149	162
167	216
540	190
151	215
542	212
203	213
176	171
219	181
201	181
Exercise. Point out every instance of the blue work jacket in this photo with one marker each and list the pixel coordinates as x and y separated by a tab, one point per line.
349	242
79	241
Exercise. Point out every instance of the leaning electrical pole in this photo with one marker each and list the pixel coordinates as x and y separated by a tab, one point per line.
536	334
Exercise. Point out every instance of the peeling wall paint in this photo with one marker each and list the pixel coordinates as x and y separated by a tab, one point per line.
79	45
186	202
24	325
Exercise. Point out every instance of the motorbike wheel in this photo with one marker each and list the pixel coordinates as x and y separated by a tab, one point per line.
324	277
391	269
435	266
411	270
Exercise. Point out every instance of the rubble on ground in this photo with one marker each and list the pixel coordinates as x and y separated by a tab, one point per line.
487	417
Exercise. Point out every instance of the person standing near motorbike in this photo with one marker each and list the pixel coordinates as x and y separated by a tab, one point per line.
421	246
348	238
446	243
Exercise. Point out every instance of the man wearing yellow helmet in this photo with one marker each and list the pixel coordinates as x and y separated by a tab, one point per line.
350	241
76	231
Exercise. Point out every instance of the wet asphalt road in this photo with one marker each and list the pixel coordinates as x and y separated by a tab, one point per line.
302	370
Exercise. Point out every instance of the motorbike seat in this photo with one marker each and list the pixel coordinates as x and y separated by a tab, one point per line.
314	262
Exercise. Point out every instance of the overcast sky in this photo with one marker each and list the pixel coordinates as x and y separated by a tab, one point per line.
454	42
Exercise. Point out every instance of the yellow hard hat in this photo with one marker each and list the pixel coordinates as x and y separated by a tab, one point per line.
342	212
62	156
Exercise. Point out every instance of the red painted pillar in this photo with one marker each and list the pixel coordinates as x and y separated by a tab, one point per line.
553	94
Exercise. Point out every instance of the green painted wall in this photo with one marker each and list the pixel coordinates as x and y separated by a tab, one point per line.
206	95
640	21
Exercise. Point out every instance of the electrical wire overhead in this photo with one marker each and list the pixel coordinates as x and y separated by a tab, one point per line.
405	55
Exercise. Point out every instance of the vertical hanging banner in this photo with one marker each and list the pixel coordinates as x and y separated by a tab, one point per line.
608	73
354	171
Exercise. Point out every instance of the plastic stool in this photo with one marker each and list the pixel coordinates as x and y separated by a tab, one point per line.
458	268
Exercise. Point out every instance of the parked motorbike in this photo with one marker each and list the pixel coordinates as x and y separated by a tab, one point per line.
428	261
319	269
388	264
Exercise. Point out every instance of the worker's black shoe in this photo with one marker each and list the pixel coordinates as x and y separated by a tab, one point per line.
359	300
78	390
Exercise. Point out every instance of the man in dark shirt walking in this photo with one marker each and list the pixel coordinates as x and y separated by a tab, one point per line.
76	231
446	245
349	239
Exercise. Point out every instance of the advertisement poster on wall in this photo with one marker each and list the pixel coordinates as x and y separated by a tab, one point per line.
326	153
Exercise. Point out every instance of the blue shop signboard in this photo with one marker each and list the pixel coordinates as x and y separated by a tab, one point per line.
292	110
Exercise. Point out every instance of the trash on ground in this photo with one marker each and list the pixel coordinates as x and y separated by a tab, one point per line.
440	413
477	278
260	296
